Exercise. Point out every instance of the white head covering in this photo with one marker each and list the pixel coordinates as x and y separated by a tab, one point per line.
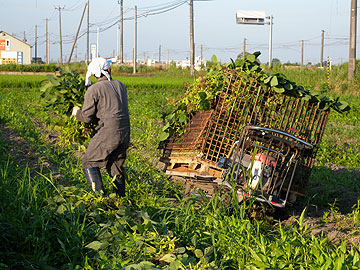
97	67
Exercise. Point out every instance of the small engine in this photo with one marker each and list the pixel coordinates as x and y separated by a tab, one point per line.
262	167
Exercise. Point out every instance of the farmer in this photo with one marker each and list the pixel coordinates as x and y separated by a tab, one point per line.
105	101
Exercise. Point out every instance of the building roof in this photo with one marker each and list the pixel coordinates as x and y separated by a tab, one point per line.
14	37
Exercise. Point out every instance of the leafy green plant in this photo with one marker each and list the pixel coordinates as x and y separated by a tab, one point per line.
61	94
75	131
283	86
201	94
64	91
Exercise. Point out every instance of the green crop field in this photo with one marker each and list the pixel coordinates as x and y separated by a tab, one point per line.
132	82
50	220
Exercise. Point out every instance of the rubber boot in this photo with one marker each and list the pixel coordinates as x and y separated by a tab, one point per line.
93	178
119	185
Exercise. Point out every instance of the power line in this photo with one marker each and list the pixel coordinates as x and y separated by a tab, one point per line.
78	5
161	5
109	23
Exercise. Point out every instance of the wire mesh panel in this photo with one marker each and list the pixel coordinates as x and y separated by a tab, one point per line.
245	101
189	142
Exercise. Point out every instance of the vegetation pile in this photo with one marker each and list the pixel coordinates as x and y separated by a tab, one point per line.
201	94
62	92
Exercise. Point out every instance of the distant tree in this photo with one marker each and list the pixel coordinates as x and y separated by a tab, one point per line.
275	61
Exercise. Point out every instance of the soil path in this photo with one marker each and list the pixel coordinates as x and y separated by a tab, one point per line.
24	154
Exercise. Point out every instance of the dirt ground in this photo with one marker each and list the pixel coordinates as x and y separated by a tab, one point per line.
334	225
22	152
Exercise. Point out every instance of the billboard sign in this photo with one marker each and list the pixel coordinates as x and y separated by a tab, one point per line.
4	44
93	51
9	55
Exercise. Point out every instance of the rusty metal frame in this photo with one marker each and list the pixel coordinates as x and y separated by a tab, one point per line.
243	101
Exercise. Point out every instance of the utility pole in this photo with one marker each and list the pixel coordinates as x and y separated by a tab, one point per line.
135	40
75	56
192	54
121	32
49	48
35	43
77	34
201	52
97	41
159	54
302	52
270	40
352	43
24	37
87	33
118	42
322	48
46	42
244	45
61	58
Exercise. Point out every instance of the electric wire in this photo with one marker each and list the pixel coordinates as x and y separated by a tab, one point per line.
78	5
166	7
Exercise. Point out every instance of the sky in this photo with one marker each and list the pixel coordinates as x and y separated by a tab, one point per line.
215	28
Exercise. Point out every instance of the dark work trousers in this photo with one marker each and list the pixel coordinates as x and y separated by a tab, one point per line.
107	149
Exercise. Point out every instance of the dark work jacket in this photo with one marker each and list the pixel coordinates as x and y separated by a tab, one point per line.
106	101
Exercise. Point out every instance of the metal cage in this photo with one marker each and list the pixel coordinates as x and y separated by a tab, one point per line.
263	164
244	101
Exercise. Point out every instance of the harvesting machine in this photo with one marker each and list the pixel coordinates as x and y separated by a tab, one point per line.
261	143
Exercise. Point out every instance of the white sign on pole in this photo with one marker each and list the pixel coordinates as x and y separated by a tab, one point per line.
250	17
93	49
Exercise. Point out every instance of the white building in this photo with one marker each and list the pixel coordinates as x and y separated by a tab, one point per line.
13	50
199	63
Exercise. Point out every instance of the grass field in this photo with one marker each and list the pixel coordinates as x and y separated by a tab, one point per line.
49	220
334	80
132	82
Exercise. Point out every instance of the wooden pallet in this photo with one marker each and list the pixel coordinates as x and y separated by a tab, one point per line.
192	167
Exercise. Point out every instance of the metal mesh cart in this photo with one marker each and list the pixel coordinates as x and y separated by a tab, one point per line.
245	108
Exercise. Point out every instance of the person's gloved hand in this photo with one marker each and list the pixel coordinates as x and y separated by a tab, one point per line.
74	111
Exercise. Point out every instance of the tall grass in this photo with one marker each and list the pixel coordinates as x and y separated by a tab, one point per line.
153	83
68	228
335	81
340	144
46	224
